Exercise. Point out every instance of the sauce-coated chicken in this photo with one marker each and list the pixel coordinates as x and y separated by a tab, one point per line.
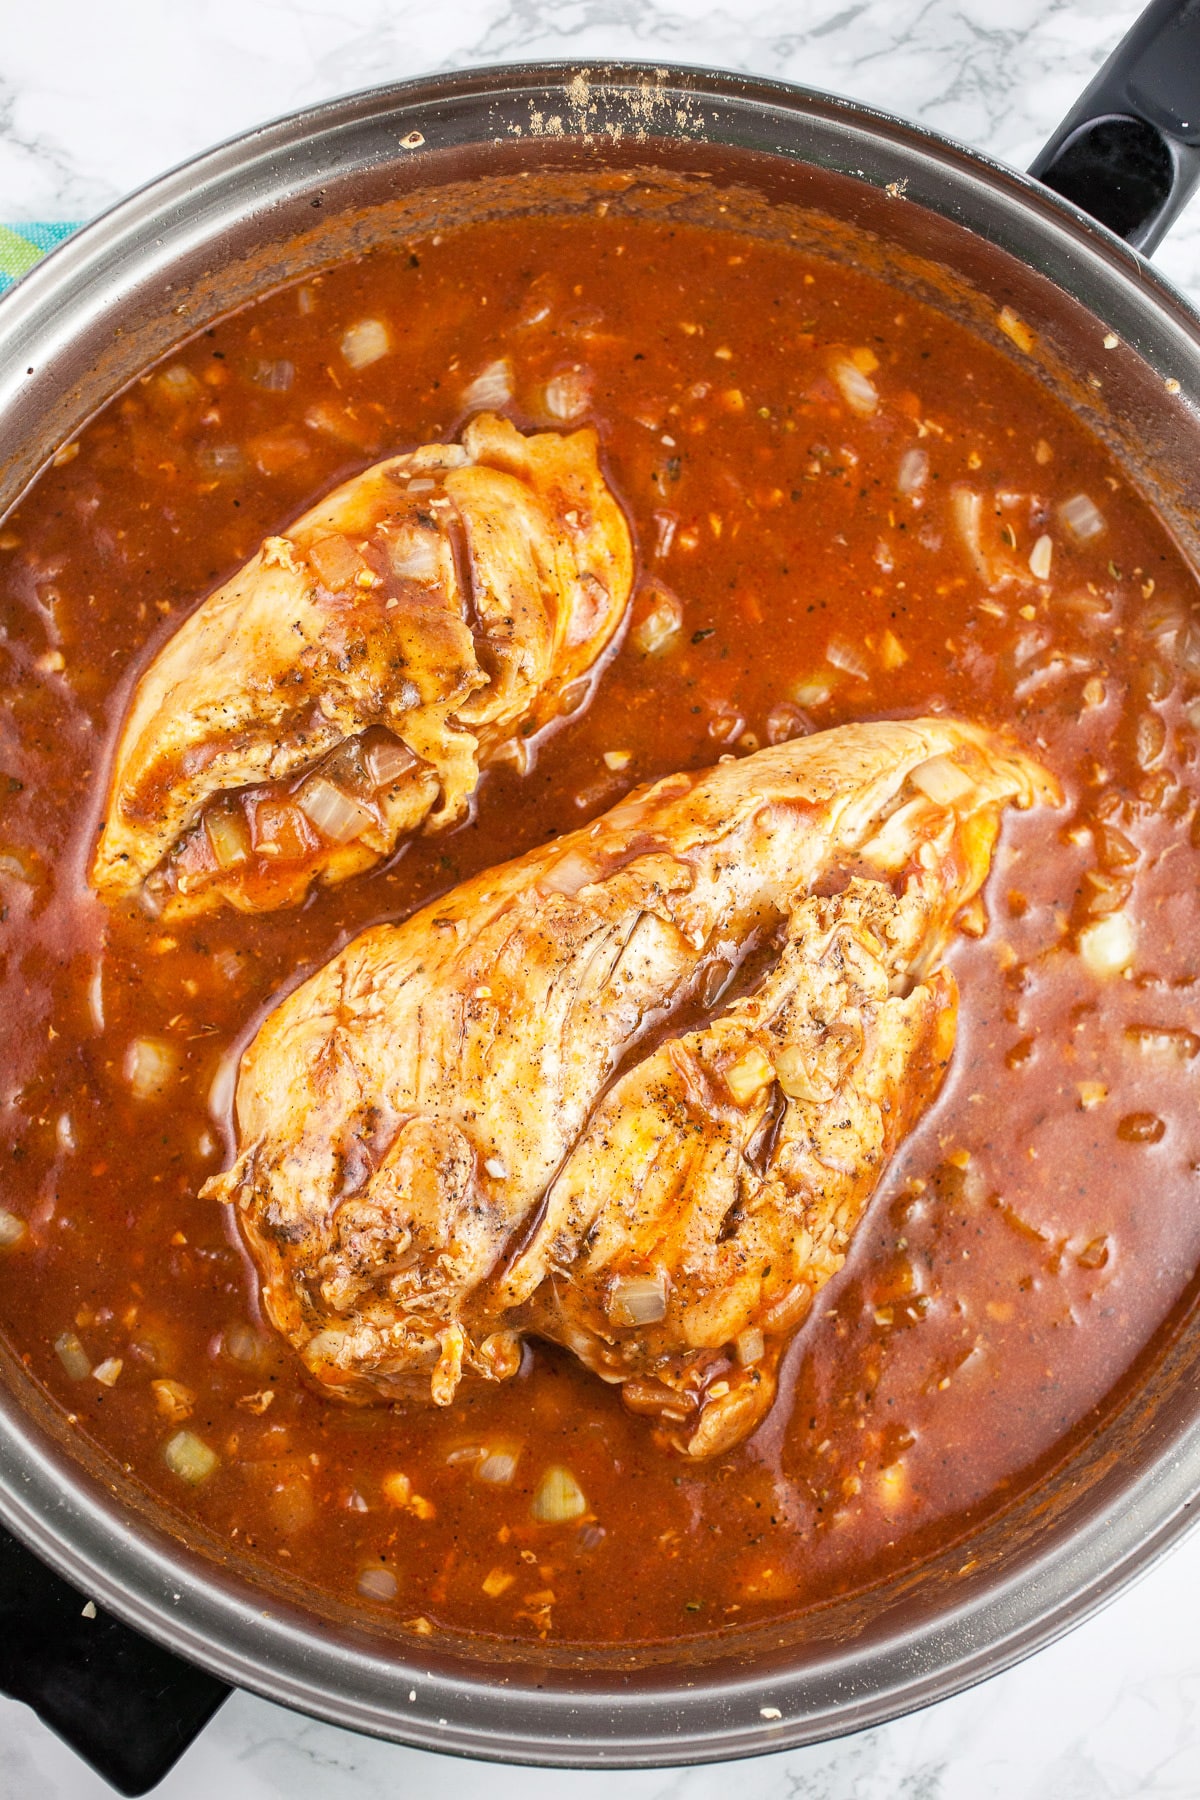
632	1092
345	686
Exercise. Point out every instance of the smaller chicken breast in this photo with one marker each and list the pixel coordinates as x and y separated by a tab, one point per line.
631	1093
346	686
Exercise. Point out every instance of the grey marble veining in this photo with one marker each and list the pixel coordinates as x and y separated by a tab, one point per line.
97	99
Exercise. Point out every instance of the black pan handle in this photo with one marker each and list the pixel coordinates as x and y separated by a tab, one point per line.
1128	152
126	1706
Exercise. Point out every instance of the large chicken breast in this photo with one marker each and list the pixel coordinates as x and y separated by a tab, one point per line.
632	1092
345	686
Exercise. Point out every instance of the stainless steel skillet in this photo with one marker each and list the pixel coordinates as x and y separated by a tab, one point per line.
970	236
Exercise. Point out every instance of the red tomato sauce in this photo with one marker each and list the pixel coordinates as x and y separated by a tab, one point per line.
847	507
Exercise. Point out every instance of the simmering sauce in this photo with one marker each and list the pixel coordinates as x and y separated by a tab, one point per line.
847	507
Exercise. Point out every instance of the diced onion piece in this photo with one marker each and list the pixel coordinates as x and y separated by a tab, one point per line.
465	1453
666	524
1163	618
1014	327
220	459
492	386
893	1485
229	835
282	831
1081	518
942	781
637	1299
499	1465
189	1457
913	472
12	1228
275	452
796	1078
436	456
815	691
748	1075
857	389
245	1345
416	555
1150	739
1187	649
1106	893
377	1584
658	628
335	814
341	423
784	722
848	657
1040	558
497	1582
108	1371
150	1063
576	694
1156	683
387	760
365	342
72	1355
275	376
966	512
336	561
1107	947
749	1345
179	384
568	394
1115	849
570	873
558	1497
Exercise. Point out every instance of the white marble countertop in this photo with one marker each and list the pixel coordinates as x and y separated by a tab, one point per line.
95	100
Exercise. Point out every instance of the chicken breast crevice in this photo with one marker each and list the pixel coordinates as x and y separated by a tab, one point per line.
631	1093
345	687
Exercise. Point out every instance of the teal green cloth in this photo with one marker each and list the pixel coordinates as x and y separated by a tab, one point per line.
23	245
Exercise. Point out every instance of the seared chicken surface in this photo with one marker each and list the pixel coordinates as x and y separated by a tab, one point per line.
632	1092
346	685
